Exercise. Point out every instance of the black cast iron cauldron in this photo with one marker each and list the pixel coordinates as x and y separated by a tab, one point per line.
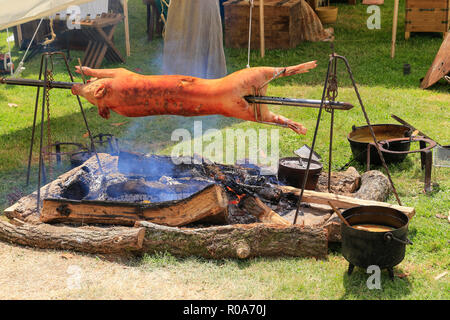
360	138
365	248
292	173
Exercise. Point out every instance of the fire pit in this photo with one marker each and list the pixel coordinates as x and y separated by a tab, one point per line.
192	208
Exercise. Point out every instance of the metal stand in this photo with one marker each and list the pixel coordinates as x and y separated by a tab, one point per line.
330	88
426	155
44	68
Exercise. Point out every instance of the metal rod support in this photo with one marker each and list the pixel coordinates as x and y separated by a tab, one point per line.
293	102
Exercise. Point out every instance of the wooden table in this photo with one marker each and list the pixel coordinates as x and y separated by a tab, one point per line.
100	32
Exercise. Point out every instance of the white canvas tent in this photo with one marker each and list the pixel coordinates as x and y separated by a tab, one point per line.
19	12
16	12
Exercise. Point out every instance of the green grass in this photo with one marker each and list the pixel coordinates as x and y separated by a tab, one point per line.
384	90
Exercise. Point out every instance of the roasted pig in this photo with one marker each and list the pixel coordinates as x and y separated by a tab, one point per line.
135	95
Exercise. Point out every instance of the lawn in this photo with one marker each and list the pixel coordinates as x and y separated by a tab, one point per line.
384	90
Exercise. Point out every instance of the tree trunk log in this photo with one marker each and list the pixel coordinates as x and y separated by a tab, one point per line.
117	240
374	186
211	202
236	241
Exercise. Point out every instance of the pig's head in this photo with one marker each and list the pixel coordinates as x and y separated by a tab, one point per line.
95	92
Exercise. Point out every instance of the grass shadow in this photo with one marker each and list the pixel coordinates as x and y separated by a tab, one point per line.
356	286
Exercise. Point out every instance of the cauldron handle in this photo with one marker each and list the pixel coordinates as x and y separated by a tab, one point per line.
389	236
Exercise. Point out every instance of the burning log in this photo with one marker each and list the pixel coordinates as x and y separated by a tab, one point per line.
211	202
85	239
262	212
237	241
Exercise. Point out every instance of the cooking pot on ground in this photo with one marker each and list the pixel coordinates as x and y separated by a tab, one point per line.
291	171
365	248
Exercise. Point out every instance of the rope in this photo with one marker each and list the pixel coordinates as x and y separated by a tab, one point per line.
20	67
249	33
163	18
52	33
10	64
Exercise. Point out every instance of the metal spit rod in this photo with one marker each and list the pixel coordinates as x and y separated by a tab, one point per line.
308	103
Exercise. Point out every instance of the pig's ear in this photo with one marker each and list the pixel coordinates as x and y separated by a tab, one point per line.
100	91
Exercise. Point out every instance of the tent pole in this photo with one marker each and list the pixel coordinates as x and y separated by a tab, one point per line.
127	27
394	29
261	28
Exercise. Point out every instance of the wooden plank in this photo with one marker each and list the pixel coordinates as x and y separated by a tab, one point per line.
427	28
440	66
427	16
87	53
278	16
209	202
427	4
339	201
110	44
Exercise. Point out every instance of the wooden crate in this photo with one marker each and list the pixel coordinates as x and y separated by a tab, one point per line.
281	24
427	16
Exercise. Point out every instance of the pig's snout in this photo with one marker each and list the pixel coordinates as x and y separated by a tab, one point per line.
76	88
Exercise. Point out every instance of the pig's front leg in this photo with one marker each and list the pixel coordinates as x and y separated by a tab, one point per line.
104	112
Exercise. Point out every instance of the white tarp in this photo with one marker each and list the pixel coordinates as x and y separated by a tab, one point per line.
92	8
14	12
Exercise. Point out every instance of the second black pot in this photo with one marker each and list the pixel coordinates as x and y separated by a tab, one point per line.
365	248
360	138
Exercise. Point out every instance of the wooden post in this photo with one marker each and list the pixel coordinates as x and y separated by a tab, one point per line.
127	27
261	27
394	29
19	35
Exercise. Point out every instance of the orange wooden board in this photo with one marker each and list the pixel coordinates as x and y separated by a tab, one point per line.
440	66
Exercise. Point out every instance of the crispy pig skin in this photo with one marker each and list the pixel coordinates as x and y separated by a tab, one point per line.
135	95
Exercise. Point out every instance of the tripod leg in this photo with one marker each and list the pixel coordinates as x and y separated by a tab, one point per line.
42	132
371	129
84	117
30	154
330	152
305	177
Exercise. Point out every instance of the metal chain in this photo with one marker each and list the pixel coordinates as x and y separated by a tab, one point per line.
49	133
332	90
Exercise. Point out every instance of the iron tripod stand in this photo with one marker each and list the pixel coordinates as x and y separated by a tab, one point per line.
47	71
330	89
